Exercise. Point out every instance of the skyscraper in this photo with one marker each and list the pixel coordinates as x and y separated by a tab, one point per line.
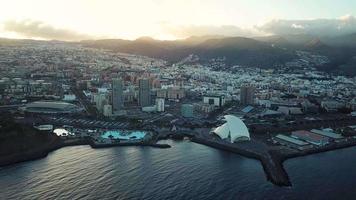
117	94
144	96
247	95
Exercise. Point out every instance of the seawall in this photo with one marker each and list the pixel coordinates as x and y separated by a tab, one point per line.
272	165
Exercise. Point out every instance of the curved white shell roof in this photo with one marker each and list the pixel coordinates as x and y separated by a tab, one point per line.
234	127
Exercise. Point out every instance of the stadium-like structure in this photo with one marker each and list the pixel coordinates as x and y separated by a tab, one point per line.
233	130
52	107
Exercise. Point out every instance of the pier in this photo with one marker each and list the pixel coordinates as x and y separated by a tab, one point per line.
272	165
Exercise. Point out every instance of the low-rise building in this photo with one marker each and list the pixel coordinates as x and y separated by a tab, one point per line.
331	105
292	142
328	134
216	100
311	137
187	110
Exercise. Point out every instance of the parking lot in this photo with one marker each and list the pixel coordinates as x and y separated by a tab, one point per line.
88	123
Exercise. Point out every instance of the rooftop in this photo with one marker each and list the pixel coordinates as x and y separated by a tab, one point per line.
327	133
308	134
291	140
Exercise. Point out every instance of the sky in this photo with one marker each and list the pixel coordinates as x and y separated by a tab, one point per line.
166	19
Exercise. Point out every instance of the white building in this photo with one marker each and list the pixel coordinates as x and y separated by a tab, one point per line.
149	109
100	100
214	100
160	104
107	110
234	129
69	97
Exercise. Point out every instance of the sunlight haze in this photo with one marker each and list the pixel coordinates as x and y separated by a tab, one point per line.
160	19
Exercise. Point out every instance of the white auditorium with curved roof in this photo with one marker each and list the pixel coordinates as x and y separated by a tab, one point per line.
233	130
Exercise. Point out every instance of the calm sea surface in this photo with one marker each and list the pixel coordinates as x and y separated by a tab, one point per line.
185	171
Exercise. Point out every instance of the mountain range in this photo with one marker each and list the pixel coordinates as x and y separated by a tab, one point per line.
263	52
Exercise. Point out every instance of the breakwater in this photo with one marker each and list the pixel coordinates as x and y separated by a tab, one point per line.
271	160
272	164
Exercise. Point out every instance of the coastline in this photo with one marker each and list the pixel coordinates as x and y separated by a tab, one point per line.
271	161
42	152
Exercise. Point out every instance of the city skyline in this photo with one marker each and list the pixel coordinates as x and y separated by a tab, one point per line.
169	20
177	99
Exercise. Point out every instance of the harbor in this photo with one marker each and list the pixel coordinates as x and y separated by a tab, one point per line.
270	151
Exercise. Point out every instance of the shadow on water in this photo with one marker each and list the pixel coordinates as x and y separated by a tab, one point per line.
185	171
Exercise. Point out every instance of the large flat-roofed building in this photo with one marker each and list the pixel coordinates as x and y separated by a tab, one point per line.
311	137
52	107
327	134
292	142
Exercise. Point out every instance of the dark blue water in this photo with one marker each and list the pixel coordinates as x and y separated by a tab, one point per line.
185	171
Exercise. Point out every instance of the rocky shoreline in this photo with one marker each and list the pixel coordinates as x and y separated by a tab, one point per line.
42	152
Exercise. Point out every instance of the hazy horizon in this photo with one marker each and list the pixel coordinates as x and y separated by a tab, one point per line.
169	20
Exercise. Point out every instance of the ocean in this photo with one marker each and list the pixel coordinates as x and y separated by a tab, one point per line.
185	171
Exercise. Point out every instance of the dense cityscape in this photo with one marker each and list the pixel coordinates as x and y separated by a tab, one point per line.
258	111
82	93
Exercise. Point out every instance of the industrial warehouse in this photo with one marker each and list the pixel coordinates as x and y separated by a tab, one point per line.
304	140
292	142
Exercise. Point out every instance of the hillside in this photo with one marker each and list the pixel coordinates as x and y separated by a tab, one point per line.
263	52
19	142
236	50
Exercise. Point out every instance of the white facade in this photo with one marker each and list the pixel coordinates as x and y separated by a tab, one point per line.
47	127
149	109
107	111
100	101
234	128
69	97
160	104
214	100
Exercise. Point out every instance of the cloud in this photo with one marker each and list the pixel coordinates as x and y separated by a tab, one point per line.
203	30
39	29
318	27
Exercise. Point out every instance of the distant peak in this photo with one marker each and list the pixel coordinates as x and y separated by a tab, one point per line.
145	38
